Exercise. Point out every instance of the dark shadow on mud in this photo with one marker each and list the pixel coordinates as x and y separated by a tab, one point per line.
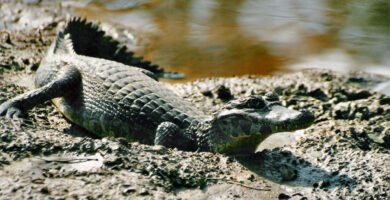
78	131
283	167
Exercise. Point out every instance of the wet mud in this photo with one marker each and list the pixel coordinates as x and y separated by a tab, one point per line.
345	154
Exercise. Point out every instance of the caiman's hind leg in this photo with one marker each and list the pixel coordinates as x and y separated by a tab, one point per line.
63	84
170	135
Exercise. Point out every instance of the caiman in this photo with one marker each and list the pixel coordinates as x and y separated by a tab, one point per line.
102	87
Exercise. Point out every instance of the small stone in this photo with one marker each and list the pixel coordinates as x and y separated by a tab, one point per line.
251	177
319	94
15	189
45	190
224	93
207	93
38	181
123	141
278	90
302	89
128	190
385	101
356	95
283	196
111	161
334	173
379	129
297	194
324	184
5	37
272	96
342	110
143	192
326	76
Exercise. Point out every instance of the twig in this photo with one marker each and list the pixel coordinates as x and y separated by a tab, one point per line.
70	160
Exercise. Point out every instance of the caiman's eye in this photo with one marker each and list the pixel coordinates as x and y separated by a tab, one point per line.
254	102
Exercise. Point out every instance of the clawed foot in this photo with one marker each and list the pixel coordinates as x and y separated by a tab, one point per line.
10	110
169	135
166	134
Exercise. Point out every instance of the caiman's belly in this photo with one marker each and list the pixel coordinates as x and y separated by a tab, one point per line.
104	124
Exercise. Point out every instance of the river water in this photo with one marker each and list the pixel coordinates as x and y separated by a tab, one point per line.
202	38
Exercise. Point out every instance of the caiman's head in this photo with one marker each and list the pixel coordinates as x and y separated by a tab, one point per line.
244	123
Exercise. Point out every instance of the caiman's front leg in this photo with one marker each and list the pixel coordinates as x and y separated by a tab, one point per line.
169	135
166	134
63	84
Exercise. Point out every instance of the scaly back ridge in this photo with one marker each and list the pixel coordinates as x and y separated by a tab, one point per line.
62	44
87	39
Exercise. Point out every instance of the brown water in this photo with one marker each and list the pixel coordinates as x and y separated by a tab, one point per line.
204	38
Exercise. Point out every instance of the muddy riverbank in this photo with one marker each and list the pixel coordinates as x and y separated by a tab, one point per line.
344	154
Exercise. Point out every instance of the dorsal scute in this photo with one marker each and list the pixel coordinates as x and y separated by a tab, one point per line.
62	44
86	38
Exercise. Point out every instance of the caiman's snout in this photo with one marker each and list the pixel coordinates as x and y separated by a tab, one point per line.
270	119
280	119
243	124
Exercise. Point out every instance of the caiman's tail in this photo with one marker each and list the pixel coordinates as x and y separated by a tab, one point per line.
85	38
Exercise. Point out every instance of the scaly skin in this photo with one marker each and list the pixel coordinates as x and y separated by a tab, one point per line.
111	98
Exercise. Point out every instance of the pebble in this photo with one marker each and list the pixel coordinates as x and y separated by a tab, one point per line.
283	196
224	93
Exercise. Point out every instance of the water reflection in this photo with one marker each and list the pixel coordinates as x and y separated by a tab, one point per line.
222	38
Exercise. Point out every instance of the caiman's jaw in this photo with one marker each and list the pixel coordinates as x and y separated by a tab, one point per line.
280	119
241	128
